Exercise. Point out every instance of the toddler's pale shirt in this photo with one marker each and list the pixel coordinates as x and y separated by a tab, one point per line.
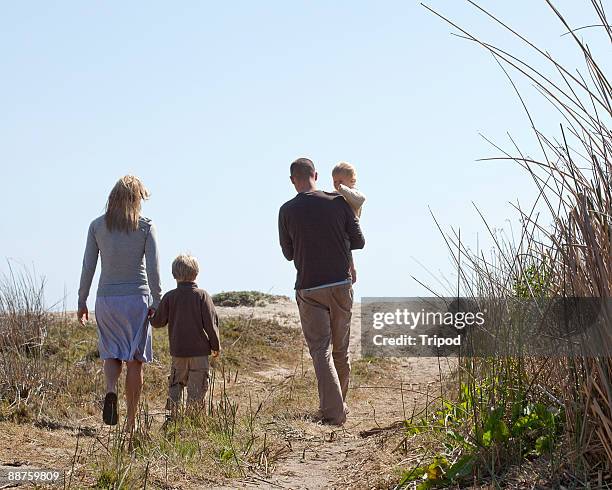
353	197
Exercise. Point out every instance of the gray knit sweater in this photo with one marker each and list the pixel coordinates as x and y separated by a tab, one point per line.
123	269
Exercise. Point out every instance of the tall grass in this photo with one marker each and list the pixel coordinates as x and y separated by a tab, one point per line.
25	374
219	440
558	409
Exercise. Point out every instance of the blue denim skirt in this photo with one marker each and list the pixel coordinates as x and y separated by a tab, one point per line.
124	331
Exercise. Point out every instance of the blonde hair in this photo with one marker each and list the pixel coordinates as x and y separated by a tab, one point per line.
346	169
124	204
185	268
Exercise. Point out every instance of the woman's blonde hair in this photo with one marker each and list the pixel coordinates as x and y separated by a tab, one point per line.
124	204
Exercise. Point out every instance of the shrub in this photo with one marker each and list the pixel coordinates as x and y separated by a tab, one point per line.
246	298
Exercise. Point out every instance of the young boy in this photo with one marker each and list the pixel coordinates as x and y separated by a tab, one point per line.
193	332
345	179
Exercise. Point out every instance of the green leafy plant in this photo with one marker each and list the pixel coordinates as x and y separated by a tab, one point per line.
473	434
533	282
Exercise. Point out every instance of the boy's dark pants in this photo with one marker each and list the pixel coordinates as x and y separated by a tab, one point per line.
325	315
190	372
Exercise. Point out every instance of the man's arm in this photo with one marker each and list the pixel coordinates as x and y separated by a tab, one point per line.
353	230
286	242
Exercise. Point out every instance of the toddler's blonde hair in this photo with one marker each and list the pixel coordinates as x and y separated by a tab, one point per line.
346	169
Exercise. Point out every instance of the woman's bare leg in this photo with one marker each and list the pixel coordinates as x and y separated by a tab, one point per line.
133	387
112	371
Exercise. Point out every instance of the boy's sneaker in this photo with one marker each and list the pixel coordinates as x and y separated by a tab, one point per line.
109	412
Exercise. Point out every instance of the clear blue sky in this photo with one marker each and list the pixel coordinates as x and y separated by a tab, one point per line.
209	102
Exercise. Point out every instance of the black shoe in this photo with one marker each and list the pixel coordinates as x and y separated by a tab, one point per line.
109	413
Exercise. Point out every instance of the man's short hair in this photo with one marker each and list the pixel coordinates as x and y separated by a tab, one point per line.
302	169
185	268
346	169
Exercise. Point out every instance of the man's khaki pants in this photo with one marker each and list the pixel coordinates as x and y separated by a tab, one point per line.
325	315
190	372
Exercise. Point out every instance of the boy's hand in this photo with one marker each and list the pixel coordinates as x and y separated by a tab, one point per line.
215	353
83	315
151	312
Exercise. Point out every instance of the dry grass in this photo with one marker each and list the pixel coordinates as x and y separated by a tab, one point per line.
230	438
564	250
52	380
26	376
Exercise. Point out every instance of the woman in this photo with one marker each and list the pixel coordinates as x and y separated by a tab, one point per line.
128	292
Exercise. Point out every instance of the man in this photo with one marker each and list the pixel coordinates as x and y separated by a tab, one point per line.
315	230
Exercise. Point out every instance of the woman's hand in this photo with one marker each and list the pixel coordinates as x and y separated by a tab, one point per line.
83	315
151	312
215	353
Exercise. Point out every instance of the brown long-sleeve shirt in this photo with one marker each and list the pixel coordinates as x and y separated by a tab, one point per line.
313	229
193	325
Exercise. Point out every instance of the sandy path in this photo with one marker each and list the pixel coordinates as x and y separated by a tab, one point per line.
327	457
